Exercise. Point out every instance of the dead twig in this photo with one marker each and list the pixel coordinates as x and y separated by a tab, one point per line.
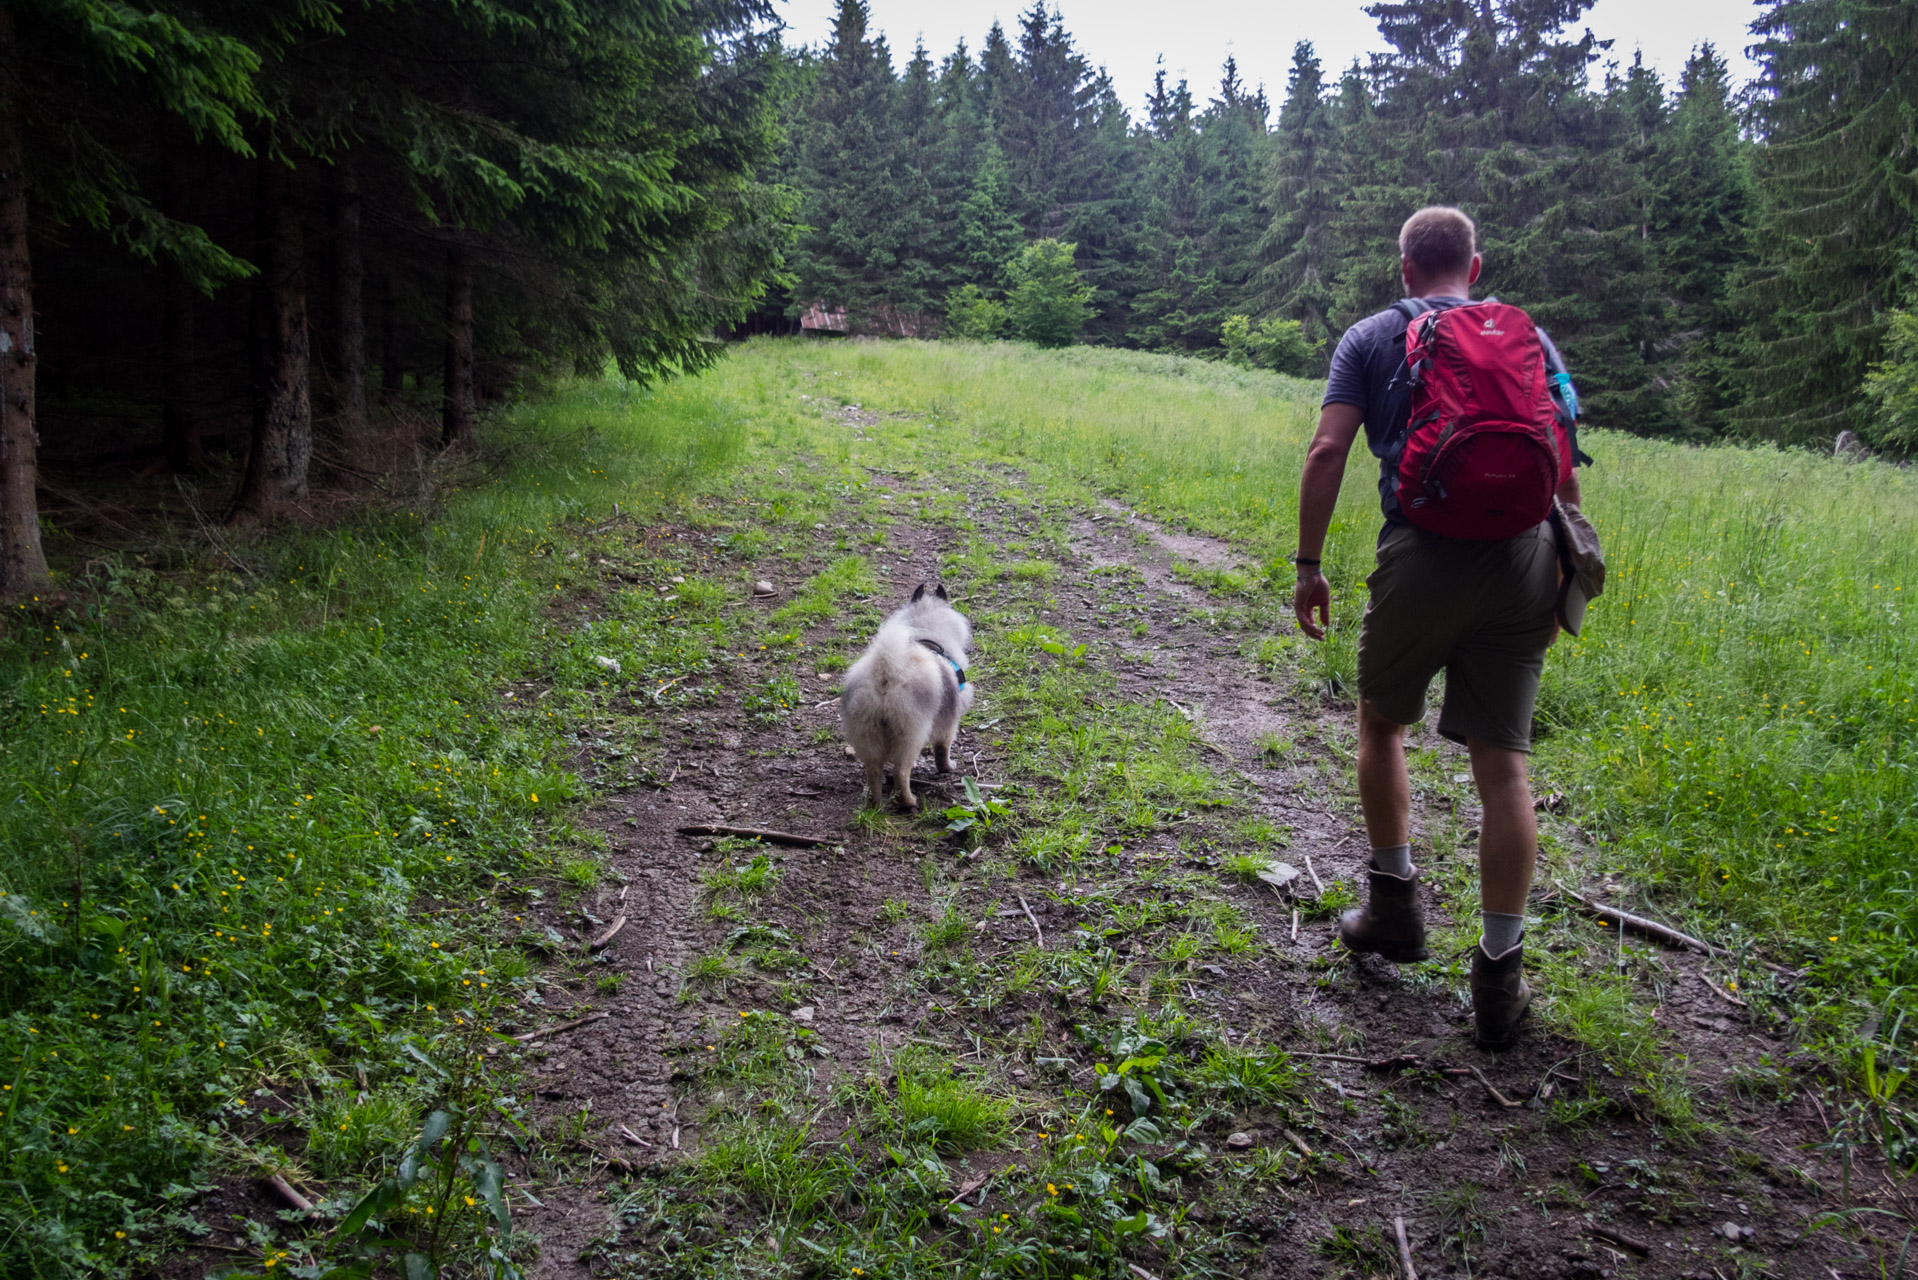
969	1188
1138	1272
564	1026
611	932
1618	1237
1405	1250
1317	883
284	1190
1721	993
663	688
1639	924
633	1138
753	833
1034	922
1295	926
1331	1057
1492	1089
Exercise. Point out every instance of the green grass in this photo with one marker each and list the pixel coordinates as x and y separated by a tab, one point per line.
230	798
1737	722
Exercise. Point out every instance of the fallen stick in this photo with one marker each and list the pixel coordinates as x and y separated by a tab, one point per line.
969	1188
1034	922
1298	1142
1405	1250
1138	1272
284	1190
1331	1057
1650	928
1721	993
633	1138
664	687
611	932
1295	926
1492	1089
1316	882
1618	1237
564	1026
753	833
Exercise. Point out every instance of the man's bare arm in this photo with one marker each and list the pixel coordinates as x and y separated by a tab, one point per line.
1318	496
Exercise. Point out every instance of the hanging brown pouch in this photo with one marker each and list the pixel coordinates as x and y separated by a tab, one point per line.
1582	561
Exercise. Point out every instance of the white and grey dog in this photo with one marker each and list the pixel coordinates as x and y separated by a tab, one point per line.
909	687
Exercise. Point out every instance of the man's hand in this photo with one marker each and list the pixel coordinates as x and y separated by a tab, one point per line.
1312	592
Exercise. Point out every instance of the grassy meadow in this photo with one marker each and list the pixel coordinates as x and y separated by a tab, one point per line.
265	810
248	806
1736	723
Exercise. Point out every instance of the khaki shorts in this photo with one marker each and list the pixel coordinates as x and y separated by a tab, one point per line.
1479	611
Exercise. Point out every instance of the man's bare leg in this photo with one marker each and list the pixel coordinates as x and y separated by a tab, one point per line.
1508	834
1385	785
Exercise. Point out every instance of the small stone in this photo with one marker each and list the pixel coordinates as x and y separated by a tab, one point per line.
803	1013
1735	1233
1018	1075
1239	1140
678	579
849	751
607	664
762	588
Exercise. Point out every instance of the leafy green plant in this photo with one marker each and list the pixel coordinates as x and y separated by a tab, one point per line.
972	819
446	1202
1049	303
772	699
1276	344
970	314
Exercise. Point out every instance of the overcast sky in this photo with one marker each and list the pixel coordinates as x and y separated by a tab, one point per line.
1126	36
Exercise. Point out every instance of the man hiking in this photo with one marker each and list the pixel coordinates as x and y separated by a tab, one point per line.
1476	601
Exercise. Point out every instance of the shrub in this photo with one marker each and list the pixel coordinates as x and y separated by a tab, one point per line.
971	314
1275	344
1893	385
1049	303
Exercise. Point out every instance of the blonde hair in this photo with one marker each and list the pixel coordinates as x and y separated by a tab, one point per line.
1439	240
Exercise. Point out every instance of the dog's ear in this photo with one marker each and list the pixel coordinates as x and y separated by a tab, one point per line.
918	593
940	591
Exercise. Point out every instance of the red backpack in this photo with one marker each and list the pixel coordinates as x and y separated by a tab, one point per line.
1484	450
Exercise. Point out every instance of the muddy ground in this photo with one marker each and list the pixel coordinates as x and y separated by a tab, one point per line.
1580	1176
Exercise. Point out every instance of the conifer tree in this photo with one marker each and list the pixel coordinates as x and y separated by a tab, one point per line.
851	255
1839	216
1701	209
1304	197
72	74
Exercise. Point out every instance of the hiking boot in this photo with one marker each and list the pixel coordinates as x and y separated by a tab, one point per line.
1499	996
1389	923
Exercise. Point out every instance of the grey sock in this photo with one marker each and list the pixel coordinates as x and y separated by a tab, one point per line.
1393	859
1501	933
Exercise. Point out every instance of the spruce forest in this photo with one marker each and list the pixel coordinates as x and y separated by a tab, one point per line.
455	453
1723	260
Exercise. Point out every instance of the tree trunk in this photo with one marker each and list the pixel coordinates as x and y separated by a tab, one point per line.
23	565
276	465
456	415
179	429
392	372
349	313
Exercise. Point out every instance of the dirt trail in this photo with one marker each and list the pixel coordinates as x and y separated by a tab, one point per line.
1522	1192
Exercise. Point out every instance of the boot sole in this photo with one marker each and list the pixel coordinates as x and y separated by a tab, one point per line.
1498	1044
1397	955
